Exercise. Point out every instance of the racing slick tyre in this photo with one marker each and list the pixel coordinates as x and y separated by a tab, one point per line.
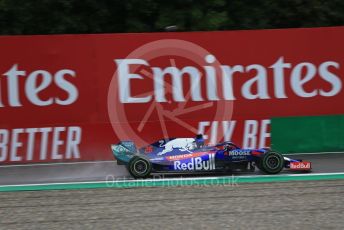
139	167
271	163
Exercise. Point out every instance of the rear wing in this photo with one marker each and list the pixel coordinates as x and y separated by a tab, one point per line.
124	151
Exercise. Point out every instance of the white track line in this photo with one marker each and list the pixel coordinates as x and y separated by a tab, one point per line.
174	179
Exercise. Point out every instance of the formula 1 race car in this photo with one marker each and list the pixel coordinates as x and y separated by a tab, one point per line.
190	155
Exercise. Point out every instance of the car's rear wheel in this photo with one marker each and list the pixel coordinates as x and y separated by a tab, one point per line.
139	167
272	162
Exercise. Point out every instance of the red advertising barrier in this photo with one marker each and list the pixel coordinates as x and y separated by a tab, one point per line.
68	97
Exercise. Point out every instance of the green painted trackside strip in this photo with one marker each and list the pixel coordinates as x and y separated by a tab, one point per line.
173	182
308	134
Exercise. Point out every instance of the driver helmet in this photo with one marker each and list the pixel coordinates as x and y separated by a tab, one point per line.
199	141
228	147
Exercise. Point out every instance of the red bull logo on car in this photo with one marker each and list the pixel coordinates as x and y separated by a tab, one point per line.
196	163
300	165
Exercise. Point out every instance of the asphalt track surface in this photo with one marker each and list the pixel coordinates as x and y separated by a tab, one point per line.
287	205
102	171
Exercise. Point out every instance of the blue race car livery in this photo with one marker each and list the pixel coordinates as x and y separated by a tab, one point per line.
190	155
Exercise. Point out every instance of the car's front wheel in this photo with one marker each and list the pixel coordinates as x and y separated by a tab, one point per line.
139	167
272	162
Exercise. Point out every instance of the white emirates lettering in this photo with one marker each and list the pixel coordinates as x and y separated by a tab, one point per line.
255	86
